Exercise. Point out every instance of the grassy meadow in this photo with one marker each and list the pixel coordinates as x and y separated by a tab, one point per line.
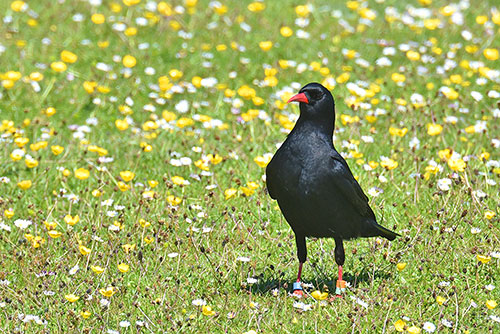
134	137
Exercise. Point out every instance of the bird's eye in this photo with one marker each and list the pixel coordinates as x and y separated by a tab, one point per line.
315	95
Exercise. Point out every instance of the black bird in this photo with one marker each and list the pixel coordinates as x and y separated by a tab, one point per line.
314	187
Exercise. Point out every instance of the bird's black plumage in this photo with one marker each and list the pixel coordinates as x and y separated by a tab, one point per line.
314	187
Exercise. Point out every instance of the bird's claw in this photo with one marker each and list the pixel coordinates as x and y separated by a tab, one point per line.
340	288
297	289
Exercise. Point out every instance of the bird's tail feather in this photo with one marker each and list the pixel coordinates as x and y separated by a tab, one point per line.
386	233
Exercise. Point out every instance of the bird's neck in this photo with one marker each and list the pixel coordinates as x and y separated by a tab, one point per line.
317	126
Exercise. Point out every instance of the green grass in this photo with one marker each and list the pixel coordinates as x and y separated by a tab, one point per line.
174	261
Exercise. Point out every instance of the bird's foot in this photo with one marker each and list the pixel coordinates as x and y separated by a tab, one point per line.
340	288
297	290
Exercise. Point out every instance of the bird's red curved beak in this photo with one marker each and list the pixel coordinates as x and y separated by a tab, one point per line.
301	97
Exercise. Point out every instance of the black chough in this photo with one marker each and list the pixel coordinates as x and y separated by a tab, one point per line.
314	187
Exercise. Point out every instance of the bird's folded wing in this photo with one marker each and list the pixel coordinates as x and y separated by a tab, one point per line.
346	184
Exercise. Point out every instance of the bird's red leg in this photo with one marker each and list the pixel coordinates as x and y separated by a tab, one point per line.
297	286
340	284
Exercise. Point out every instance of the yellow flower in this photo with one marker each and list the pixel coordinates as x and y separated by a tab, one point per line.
184	121
98	18
286	31
174	200
31	163
96	269
483	258
252	185
481	19
262	161
123	267
82	173
56	149
447	10
25	184
201	165
178	180
400	325
414	330
84	250
103	44
71	220
21	141
152	183
256	7
129	61
50	111
38	146
89	86
108	292
144	223
491	54
450	93
229	193
207	310
266	45
398	132
190	3
9	213
68	57
434	129
246	92
214	159
389	164
491	304
127	175
121	124
71	298
318	295
175	74
445	154
220	9
398	77
54	234
302	10
367	13
432	24
7	84
484	156
271	81
247	191
496	18
488	214
456	79
50	225
458	165
96	193
401	266
440	300
128	247
123	186
85	314
58	66
131	2
18	6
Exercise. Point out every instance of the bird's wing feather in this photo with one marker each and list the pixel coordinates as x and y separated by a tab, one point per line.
344	181
270	185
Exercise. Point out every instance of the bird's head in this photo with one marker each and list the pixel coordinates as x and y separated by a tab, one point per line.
316	102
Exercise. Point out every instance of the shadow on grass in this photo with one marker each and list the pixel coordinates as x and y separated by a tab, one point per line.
359	279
